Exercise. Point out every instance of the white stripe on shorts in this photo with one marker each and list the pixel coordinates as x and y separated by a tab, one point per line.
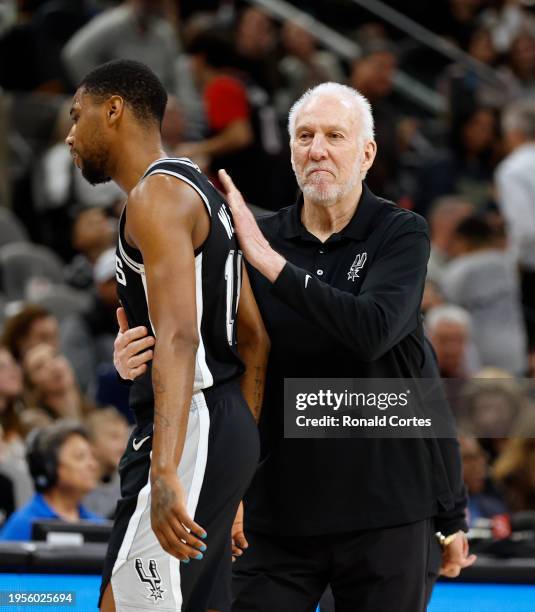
139	540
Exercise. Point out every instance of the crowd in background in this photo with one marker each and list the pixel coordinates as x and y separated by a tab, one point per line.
232	73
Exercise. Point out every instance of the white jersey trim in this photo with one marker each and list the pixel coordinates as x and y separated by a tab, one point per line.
144	281
182	160
203	376
133	265
139	539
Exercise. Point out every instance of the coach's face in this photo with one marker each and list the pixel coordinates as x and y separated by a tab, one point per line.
87	138
329	156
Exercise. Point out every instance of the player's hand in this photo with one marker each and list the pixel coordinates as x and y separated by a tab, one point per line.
255	247
455	557
239	542
177	533
132	349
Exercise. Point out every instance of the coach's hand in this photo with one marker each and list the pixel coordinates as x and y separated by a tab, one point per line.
170	520
132	349
255	247
239	541
455	557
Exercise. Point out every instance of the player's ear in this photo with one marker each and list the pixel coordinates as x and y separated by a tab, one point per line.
114	109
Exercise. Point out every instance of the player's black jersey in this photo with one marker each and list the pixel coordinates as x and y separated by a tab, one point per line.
218	266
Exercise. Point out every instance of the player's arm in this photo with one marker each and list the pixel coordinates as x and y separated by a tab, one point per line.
161	220
253	347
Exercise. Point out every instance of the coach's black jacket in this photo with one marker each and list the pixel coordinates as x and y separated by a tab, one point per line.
348	308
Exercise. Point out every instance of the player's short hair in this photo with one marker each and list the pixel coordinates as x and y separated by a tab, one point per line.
139	87
342	92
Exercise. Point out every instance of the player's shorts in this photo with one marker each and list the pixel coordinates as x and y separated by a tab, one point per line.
220	454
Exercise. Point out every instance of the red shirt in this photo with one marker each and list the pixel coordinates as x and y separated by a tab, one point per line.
225	100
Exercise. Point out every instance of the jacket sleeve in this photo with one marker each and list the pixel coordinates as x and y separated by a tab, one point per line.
453	520
386	308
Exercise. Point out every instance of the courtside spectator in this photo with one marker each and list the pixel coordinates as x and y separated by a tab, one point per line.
31	326
444	216
136	29
64	470
485	282
87	338
51	386
108	433
484	500
515	184
449	328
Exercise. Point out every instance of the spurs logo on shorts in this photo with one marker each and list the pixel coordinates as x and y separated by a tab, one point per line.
152	579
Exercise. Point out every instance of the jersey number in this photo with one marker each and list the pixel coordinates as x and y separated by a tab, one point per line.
233	280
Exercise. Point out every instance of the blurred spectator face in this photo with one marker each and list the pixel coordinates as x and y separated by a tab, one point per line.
458	246
444	219
373	75
10	376
326	169
464	10
522	55
475	465
492	414
93	231
297	41
110	443
47	371
42	331
479	132
432	296
255	35
146	8
482	48
449	340
77	466
172	124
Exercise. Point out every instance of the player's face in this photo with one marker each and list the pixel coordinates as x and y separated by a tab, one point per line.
327	151
86	138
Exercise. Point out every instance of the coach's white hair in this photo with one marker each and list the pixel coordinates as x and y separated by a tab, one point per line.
342	92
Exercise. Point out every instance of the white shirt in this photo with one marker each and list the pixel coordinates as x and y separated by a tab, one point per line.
515	183
486	284
114	34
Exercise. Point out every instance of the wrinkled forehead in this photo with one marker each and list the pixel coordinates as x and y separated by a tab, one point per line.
328	110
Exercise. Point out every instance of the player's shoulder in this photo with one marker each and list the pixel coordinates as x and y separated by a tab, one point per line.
159	188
